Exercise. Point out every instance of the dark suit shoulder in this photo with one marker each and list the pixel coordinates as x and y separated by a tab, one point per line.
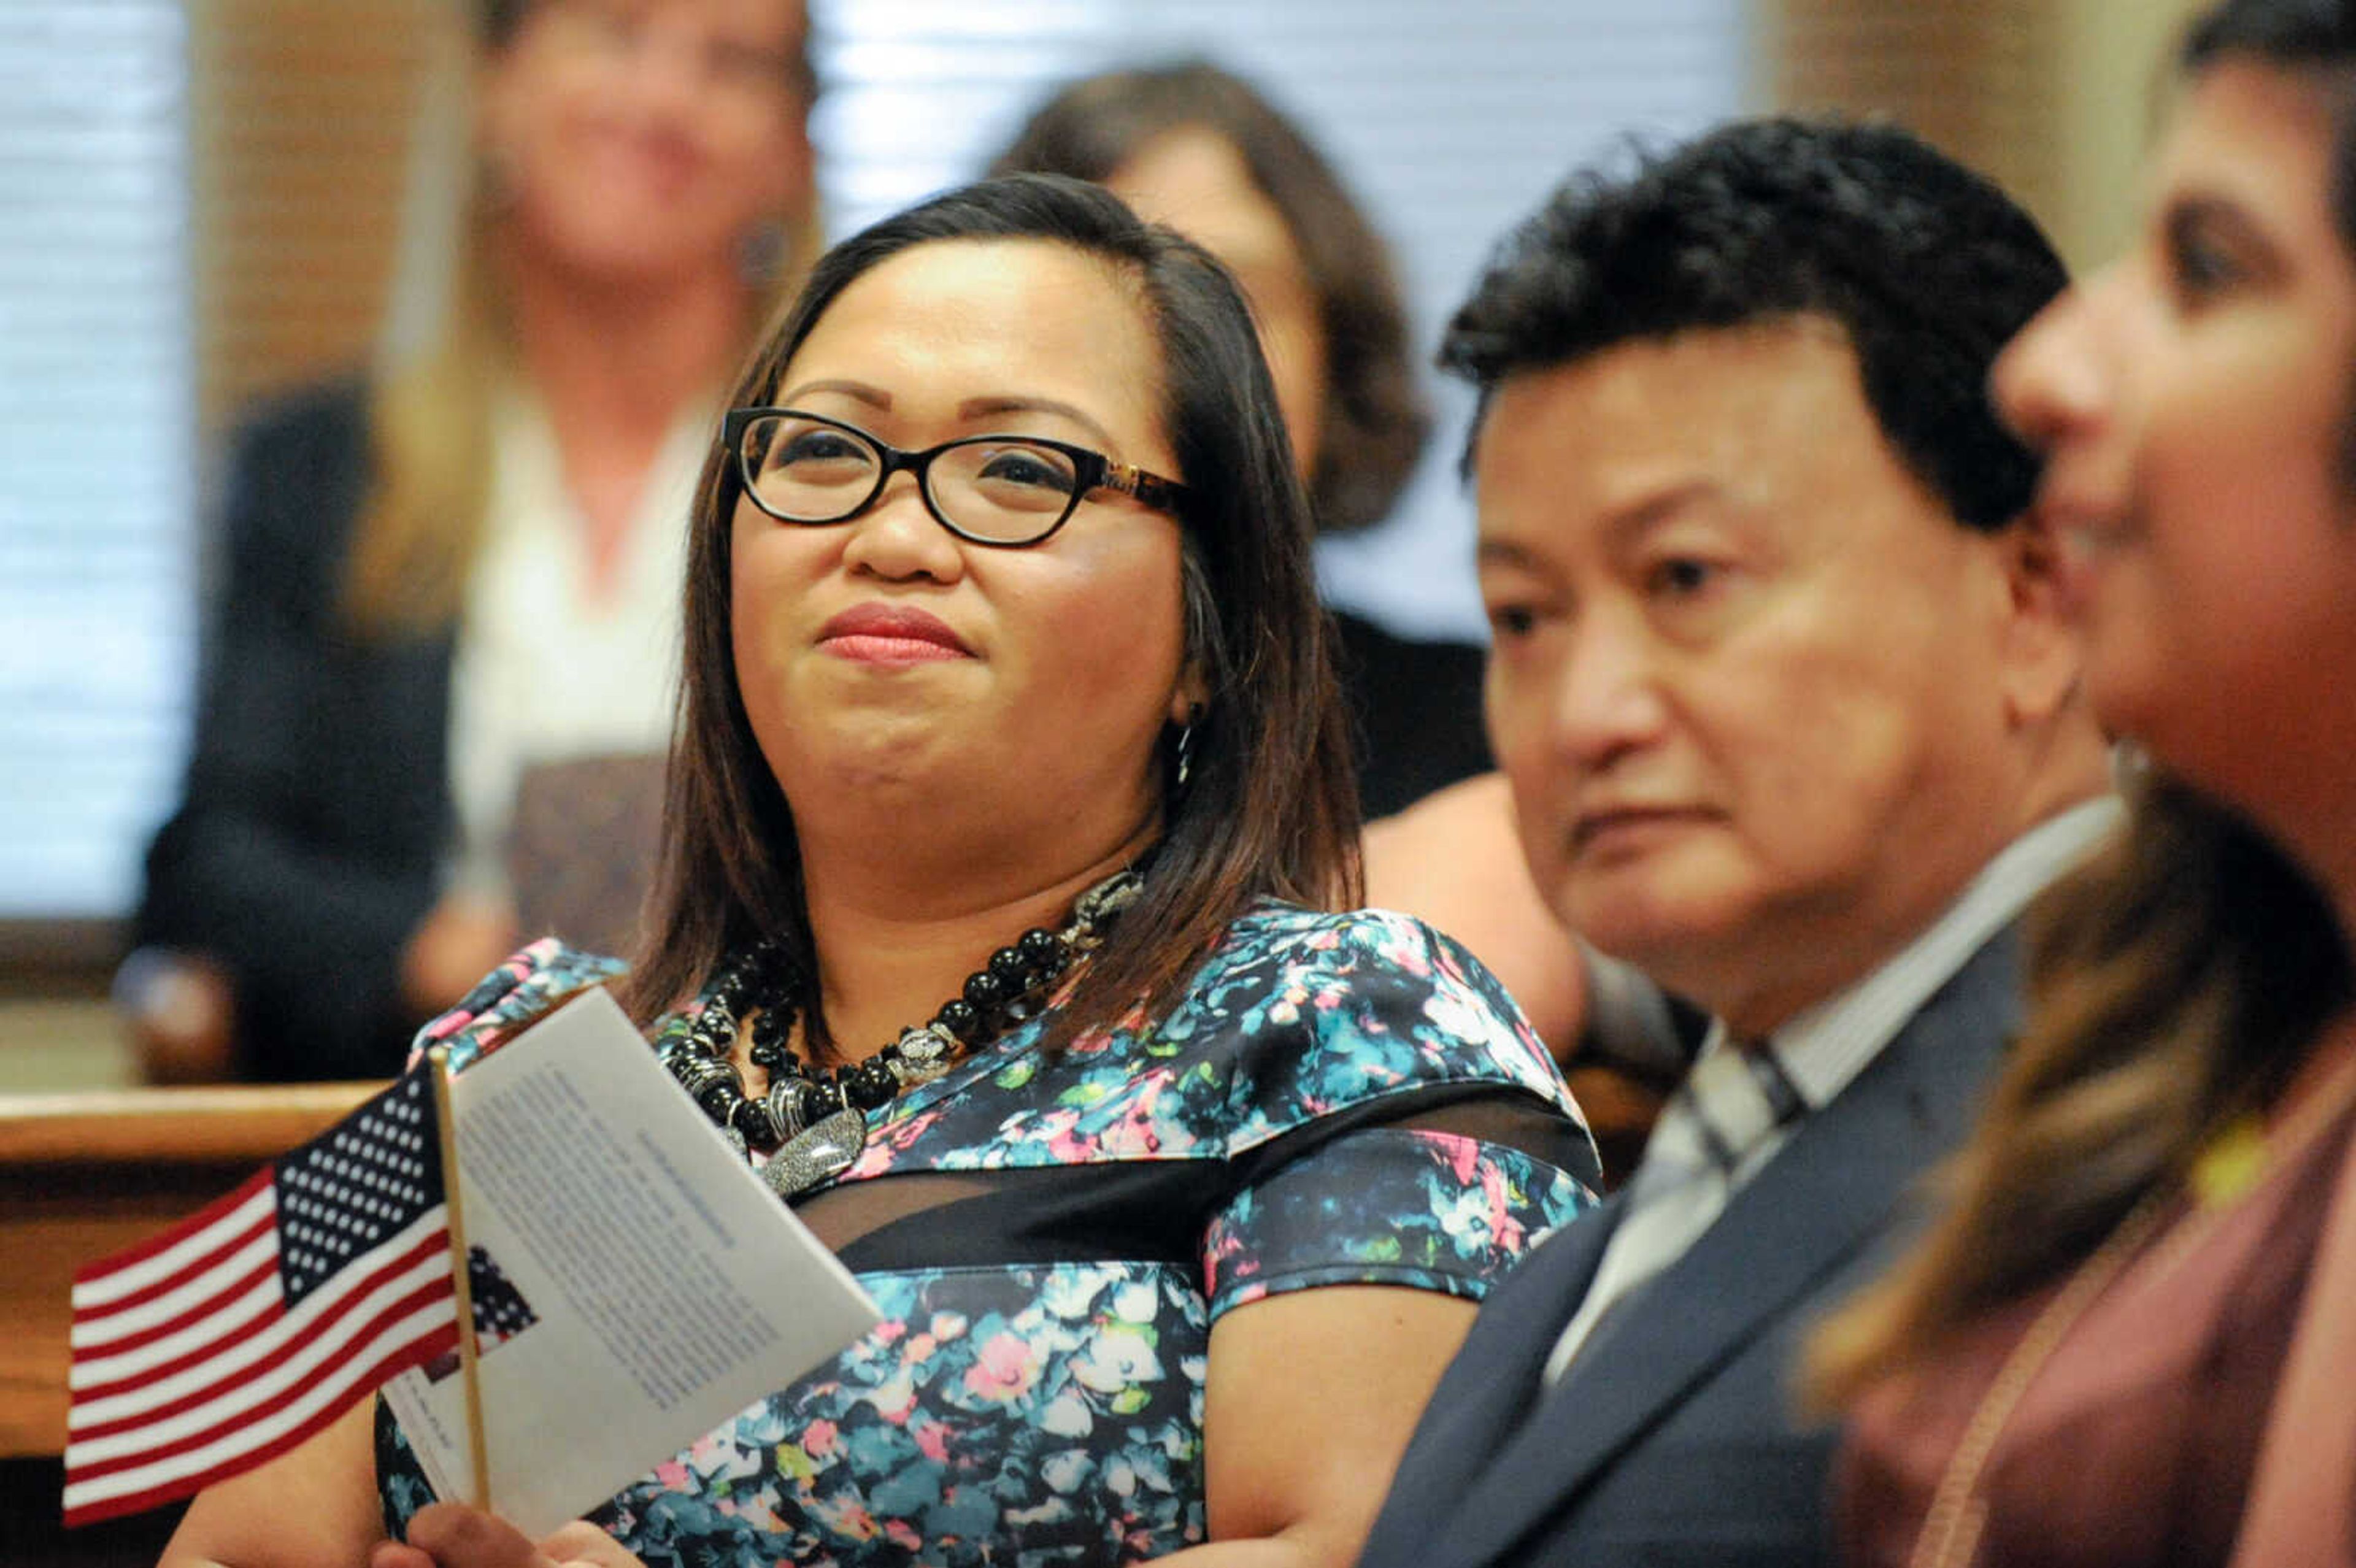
295	475
1948	1051
326	419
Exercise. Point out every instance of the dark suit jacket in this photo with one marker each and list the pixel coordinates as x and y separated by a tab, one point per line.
1674	1438
317	807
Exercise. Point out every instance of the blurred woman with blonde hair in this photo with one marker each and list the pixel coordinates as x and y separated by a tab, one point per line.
443	573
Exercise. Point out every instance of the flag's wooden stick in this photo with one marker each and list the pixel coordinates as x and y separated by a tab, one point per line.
447	1127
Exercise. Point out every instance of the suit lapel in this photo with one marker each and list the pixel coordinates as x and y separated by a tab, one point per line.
1489	1388
1826	1195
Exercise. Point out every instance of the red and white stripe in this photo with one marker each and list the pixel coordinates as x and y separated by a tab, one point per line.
188	1367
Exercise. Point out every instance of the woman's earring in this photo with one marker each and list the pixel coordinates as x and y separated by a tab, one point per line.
1185	755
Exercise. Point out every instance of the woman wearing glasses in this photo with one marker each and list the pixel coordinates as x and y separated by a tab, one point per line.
1008	796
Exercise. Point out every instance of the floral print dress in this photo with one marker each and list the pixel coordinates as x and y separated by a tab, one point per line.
1337	1099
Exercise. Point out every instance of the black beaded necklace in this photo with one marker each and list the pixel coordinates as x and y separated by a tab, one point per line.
812	1120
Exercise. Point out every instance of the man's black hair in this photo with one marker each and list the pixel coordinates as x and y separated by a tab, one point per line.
1927	268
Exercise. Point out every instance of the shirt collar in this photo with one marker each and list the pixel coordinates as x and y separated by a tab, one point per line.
1821	1048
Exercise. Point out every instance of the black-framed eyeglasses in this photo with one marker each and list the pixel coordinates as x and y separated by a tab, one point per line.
1006	490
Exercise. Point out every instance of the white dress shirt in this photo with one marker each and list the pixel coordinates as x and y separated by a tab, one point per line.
546	669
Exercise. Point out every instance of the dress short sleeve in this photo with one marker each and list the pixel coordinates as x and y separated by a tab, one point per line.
521	991
1402	1206
1393	1120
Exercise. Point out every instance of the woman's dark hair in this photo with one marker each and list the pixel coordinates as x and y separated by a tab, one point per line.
1270	810
2175	983
1374	417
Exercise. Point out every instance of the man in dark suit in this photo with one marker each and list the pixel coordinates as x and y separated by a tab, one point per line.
1792	721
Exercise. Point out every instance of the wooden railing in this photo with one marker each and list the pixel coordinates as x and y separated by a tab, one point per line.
85	1175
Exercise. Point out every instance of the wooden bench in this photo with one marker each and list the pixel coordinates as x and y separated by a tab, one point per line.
83	1175
88	1174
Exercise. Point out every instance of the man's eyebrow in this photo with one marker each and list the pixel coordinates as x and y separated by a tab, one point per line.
1626	523
1505	552
1631	521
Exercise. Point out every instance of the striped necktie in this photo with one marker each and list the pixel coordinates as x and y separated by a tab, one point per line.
1735	1097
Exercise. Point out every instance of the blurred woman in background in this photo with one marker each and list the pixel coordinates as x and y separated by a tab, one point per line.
1200	149
1197	148
2139	1313
444	573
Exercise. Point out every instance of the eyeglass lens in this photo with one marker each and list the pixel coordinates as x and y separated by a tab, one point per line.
1000	488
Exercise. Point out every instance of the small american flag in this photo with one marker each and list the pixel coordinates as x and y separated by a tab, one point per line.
249	1326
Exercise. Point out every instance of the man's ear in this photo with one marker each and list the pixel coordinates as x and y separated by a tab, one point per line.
2043	654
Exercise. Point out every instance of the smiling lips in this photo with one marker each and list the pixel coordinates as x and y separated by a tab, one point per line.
2085	537
888	634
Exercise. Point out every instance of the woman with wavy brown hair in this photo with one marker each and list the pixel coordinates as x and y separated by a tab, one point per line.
2136	1313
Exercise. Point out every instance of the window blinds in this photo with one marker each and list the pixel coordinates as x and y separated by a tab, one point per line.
96	475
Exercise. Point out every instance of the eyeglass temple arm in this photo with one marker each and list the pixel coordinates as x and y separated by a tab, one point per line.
1151	489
